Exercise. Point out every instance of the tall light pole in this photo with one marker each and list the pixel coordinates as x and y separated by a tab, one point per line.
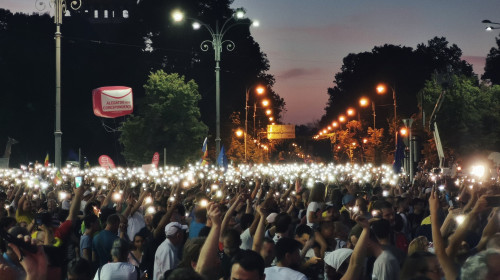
363	102
217	43
60	7
260	90
381	89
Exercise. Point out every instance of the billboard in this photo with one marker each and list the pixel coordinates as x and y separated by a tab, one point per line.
280	131
112	102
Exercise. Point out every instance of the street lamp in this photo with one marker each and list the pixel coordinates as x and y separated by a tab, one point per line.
259	90
382	89
217	43
60	8
363	102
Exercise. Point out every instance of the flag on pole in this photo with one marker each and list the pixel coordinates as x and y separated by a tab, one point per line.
204	152
86	162
222	160
46	161
58	178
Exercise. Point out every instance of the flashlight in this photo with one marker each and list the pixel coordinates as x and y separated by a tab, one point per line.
151	210
203	203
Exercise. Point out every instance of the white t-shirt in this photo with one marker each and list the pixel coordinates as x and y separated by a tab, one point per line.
313	207
117	271
246	240
165	259
283	273
135	224
386	267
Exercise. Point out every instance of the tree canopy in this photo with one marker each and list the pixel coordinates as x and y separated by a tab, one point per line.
492	67
169	118
469	116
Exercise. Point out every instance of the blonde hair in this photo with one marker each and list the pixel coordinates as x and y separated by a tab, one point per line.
418	244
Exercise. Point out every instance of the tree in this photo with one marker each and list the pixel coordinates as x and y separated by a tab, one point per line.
236	151
405	71
469	114
492	67
169	118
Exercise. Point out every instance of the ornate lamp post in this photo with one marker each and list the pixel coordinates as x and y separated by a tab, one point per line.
217	43
60	8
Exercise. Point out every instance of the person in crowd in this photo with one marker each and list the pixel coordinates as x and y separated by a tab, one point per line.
92	226
137	249
247	265
288	261
422	263
79	269
200	220
315	204
103	241
167	254
119	268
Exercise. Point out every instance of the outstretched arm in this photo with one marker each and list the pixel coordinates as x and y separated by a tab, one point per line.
208	253
357	260
446	262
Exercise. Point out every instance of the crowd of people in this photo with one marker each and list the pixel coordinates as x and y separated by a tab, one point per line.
247	222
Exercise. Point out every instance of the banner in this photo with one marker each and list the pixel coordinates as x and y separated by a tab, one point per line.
112	102
106	162
281	131
156	159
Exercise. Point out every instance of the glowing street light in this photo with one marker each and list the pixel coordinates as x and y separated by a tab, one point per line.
217	41
265	102
342	118
382	89
239	133
259	90
269	112
351	112
363	101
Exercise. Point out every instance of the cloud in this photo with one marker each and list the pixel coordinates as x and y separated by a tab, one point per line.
298	72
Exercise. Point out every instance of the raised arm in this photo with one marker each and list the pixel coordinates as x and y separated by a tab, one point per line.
165	219
461	232
258	238
208	254
357	260
75	204
132	208
229	214
446	262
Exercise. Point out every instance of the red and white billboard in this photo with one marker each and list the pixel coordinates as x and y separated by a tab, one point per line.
106	162
112	102
156	159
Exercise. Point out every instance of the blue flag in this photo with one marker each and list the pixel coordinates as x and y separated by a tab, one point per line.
222	159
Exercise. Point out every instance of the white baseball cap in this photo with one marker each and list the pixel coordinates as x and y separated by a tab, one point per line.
173	228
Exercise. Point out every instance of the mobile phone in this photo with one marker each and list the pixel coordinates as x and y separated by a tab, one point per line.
18	242
78	181
493	201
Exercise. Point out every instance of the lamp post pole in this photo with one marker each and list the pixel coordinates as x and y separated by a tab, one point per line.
246	122
217	43
60	7
373	109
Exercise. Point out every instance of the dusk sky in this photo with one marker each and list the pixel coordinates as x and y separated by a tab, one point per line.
306	40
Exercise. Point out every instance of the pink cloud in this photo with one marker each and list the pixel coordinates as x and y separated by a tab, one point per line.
299	72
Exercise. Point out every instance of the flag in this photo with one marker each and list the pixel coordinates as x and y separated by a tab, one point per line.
204	152
58	178
222	159
86	162
46	161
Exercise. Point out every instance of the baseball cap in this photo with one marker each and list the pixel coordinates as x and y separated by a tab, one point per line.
173	228
271	217
336	258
